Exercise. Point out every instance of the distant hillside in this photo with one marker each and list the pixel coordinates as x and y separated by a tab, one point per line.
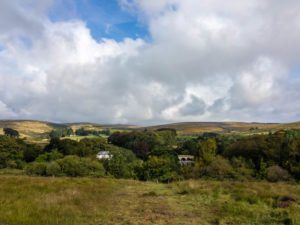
95	126
225	127
33	129
29	128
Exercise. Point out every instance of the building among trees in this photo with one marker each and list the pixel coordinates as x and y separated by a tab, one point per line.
186	159
104	155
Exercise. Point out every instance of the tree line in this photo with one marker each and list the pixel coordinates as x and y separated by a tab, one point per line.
153	155
67	132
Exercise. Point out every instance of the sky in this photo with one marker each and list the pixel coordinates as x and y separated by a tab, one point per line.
150	61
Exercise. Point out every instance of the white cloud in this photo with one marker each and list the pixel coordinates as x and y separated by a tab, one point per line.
206	61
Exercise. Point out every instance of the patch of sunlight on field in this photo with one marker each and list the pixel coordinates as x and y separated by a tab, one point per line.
31	130
78	138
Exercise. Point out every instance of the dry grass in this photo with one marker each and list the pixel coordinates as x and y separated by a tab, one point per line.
27	128
48	201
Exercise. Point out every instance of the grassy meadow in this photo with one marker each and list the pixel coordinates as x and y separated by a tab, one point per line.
93	201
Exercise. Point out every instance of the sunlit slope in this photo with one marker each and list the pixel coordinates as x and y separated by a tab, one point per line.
33	129
29	128
95	126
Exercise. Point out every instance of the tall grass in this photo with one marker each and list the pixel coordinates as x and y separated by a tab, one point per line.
58	201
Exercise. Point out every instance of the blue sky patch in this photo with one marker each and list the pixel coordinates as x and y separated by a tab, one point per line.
1	47
104	18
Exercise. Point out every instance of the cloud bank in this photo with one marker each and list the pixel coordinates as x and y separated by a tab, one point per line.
204	61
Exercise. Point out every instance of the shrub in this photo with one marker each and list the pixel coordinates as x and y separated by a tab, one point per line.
31	152
49	156
189	172
94	167
68	166
11	164
208	150
75	166
124	163
15	164
162	169
219	168
53	169
37	168
276	173
244	169
11	132
11	149
71	166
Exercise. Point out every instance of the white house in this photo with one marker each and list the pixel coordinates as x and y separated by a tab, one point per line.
104	155
186	159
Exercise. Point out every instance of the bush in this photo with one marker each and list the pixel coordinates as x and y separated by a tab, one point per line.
11	152
94	167
208	150
53	169
276	173
37	168
69	166
243	168
163	169
49	156
11	132
31	152
123	164
219	168
189	172
74	166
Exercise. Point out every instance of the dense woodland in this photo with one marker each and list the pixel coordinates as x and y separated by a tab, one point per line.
153	155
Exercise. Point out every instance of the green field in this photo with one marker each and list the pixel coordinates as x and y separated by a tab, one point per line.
64	201
78	138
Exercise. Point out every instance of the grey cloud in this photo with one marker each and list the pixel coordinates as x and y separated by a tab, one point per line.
195	108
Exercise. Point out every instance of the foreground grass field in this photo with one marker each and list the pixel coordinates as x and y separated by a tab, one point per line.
48	201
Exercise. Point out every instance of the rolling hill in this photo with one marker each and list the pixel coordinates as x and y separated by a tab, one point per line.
33	129
190	128
30	128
